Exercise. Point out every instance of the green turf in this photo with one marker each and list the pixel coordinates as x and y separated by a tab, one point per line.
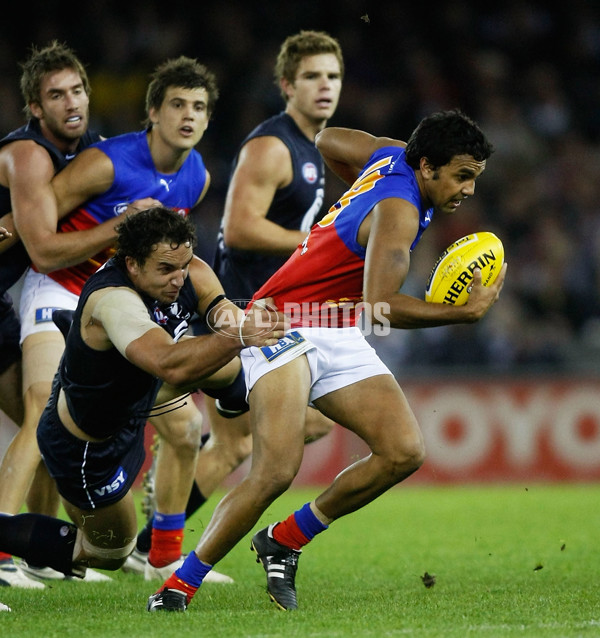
509	560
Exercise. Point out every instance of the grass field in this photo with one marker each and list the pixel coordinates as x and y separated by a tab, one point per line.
509	560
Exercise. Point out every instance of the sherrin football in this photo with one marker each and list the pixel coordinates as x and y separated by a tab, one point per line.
451	277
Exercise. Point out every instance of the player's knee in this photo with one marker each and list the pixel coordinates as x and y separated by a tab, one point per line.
240	450
111	558
317	428
231	451
405	458
184	435
36	398
277	481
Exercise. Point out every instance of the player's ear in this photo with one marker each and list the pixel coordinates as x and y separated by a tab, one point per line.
287	87
153	115
36	110
132	266
427	168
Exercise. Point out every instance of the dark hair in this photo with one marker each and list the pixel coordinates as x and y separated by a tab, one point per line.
441	136
181	72
139	234
298	46
54	57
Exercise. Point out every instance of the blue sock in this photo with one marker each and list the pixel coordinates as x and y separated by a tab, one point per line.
308	523
193	570
168	521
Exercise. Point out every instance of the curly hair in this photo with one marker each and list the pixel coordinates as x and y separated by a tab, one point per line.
441	136
54	57
298	46
139	234
181	72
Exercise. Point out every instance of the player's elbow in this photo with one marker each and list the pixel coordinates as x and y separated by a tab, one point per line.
376	311
174	376
45	263
230	236
237	238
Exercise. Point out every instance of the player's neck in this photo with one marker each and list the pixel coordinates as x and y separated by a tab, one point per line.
166	158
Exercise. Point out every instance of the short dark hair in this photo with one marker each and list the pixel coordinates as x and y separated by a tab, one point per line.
182	72
139	234
296	47
54	57
441	136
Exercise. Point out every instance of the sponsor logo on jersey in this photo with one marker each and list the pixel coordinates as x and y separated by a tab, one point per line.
120	208
160	317
309	172
44	315
174	319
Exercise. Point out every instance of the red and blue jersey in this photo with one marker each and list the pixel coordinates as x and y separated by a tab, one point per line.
135	177
321	284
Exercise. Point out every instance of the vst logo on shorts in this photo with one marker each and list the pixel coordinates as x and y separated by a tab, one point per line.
116	484
44	315
309	172
291	340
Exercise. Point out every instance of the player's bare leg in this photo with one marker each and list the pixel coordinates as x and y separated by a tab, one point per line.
42	495
109	528
11	393
278	447
41	355
317	425
378	412
229	445
180	432
102	537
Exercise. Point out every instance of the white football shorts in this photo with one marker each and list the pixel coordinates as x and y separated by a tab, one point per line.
337	357
39	297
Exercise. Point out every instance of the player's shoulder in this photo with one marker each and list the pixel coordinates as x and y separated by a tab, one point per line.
266	150
26	155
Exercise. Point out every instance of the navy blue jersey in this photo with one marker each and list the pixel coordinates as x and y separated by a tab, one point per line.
15	261
104	391
296	207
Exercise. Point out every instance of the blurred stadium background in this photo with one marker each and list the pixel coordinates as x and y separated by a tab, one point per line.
516	396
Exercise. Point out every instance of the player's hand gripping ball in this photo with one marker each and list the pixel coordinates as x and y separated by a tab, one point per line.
452	275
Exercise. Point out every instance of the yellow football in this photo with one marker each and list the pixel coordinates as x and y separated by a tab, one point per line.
451	277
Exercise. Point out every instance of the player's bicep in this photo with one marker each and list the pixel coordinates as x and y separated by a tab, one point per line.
264	165
394	226
32	199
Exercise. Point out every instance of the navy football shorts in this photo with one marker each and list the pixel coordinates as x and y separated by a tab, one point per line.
90	474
